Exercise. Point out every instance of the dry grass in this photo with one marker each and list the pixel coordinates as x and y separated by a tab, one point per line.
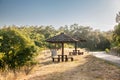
84	67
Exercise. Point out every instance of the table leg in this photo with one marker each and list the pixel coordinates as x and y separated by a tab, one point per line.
62	58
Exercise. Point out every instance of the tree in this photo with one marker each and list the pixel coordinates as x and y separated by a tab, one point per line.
16	48
115	44
95	39
116	32
118	17
116	35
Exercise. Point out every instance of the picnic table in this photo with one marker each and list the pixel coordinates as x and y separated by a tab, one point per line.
62	58
76	52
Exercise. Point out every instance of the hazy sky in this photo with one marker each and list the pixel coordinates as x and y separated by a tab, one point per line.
99	14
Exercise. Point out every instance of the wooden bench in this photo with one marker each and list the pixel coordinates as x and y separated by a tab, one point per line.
62	57
73	53
69	57
56	58
76	52
80	53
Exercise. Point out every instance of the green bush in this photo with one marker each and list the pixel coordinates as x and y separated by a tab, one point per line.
17	50
107	50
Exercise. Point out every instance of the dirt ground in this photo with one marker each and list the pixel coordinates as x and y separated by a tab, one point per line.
84	67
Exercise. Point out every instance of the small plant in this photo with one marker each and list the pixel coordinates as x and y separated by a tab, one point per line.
107	50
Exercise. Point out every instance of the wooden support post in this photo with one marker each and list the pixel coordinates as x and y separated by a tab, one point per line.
75	46
62	52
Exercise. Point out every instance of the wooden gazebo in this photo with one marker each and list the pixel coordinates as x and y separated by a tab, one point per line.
63	38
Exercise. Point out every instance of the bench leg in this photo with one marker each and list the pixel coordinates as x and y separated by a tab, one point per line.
53	59
71	59
58	59
66	59
82	53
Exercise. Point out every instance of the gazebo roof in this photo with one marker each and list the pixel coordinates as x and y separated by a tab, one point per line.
61	38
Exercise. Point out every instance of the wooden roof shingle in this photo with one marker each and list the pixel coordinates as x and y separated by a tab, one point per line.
61	38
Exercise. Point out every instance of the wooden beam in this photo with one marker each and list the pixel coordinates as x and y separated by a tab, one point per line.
75	46
62	51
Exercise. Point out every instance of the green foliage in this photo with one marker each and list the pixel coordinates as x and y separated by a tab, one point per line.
107	50
116	36
95	39
16	48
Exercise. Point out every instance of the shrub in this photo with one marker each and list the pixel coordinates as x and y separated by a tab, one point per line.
17	50
107	50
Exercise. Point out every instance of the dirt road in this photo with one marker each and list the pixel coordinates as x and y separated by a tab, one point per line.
107	57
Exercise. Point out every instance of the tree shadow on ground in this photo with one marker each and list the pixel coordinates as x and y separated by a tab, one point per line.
92	69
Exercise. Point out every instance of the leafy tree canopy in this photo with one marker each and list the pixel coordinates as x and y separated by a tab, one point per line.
17	49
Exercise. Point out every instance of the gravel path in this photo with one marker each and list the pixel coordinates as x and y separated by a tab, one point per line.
107	57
